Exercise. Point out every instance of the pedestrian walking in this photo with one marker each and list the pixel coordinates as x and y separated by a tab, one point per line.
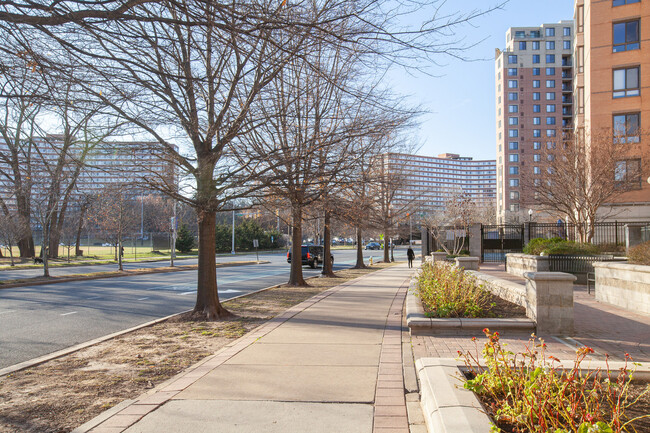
411	255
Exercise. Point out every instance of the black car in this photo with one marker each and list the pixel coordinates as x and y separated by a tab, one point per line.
373	246
312	255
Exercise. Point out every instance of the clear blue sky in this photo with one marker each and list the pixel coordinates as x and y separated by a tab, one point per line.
460	98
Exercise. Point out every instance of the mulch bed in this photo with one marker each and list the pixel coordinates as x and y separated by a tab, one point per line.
498	308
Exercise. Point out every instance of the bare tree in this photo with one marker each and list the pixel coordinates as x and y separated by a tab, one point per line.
577	175
114	214
12	230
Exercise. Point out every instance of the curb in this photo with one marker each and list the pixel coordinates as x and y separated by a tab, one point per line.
117	274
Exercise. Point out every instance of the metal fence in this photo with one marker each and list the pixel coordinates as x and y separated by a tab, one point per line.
499	240
576	264
606	234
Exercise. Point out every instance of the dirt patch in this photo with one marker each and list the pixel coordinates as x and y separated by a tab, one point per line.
62	394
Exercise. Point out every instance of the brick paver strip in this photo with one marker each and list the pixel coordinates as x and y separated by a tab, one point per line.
390	403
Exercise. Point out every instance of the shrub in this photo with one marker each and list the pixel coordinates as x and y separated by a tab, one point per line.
537	245
448	291
184	240
559	246
640	254
529	393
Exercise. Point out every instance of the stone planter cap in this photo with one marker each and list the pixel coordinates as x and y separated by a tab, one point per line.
549	276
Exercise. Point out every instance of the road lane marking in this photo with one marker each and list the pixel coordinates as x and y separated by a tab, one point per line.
93	297
142	299
7	312
187	293
67	314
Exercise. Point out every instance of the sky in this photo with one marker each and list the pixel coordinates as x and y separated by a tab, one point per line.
459	98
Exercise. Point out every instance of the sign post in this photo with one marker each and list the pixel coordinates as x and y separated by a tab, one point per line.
256	245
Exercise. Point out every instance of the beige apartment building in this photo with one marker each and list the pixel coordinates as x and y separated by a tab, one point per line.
534	104
611	91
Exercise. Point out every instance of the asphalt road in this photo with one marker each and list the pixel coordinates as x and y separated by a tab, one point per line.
37	320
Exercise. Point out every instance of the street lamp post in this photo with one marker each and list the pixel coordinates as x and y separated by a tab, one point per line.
530	215
410	230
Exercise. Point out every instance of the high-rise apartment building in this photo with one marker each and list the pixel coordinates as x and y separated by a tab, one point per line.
534	97
431	181
612	58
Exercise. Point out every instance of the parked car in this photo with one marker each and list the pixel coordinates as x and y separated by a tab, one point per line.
312	255
373	246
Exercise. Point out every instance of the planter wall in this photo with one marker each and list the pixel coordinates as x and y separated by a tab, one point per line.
520	264
623	285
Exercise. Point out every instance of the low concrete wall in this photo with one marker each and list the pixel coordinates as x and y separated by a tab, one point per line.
518	264
504	289
623	285
468	263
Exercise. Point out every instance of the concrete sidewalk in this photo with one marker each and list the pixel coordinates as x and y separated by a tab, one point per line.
330	364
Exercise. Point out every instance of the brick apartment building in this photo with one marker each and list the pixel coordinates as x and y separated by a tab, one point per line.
612	81
534	104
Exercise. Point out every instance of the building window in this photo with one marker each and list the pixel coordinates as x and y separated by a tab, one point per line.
537	132
514	183
626	128
512	84
513	133
550	133
624	2
514	207
581	18
550	145
566	31
513	145
512	72
550	120
536	108
537	120
514	195
566	45
535	58
550	58
550	45
550	71
535	45
626	82
513	157
536	96
512	59
537	145
522	45
581	59
626	36
628	173
550	84
535	71
513	108
536	170
537	157
536	83
550	31
513	170
550	96
513	121
512	96
550	108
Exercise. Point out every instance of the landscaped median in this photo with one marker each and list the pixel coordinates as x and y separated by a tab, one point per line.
444	299
37	281
530	391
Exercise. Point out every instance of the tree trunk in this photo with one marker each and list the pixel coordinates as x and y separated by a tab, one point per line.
386	246
295	276
26	247
207	296
77	251
11	253
44	252
55	235
360	264
327	240
119	254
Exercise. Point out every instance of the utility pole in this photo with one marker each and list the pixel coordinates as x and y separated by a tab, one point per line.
233	233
